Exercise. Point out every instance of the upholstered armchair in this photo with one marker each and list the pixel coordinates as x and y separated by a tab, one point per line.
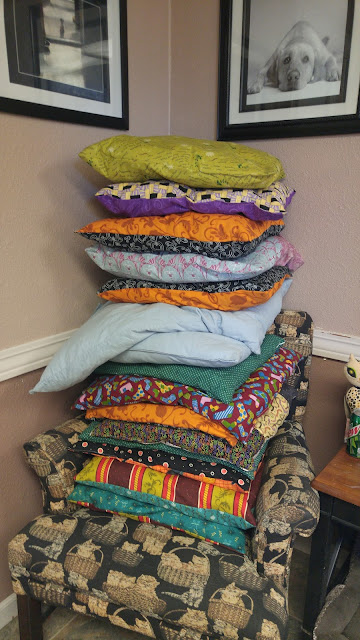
143	577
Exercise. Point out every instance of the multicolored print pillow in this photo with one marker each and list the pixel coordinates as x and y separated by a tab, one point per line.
232	295
174	416
275	251
169	486
243	457
215	235
164	461
249	402
107	438
134	199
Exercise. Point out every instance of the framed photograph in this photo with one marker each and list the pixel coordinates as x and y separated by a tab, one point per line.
288	68
65	60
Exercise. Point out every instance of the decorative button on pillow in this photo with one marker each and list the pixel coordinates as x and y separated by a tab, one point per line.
215	235
152	198
232	295
176	267
194	162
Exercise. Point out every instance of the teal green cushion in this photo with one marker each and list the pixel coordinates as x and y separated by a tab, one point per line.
210	524
220	383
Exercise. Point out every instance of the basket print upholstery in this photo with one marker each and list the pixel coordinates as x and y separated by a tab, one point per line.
133	621
231	605
138	593
54	528
48	456
241	574
84	559
127	554
184	567
85	577
106	532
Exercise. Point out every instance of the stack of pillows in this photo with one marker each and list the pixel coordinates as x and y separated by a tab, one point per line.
185	387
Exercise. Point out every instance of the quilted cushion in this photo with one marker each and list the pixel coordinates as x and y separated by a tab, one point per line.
189	161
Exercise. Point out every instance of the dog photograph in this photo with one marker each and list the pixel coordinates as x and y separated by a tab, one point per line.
295	50
288	68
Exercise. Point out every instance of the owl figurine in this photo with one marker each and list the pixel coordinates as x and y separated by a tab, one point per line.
352	396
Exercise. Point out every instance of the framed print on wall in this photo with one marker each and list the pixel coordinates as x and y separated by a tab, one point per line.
65	60
288	68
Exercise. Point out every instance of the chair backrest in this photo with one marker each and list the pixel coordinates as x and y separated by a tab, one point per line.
296	327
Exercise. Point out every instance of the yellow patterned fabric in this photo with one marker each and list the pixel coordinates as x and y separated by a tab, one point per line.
197	163
270	421
102	470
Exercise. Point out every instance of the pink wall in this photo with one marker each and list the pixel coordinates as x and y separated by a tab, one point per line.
48	284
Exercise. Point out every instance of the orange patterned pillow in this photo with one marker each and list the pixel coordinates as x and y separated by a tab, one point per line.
156	413
216	235
232	295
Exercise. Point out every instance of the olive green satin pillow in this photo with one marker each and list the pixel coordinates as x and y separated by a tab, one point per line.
188	161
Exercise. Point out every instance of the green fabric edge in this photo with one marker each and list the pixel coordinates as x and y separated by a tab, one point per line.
219	383
209	523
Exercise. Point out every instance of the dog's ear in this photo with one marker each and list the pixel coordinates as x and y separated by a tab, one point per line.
272	74
319	69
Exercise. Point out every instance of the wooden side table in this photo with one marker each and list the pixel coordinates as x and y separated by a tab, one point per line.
339	489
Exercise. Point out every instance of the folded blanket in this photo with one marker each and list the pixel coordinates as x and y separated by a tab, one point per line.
105	438
203	521
164	461
116	328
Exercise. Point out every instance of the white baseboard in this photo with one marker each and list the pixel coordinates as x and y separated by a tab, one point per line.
335	346
30	356
8	610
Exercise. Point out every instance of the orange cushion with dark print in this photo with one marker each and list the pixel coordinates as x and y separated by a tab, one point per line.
157	413
232	295
216	235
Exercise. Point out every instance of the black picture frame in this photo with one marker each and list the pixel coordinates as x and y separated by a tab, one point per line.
65	60
321	107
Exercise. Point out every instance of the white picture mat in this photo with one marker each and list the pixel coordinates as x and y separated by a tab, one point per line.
65	101
349	107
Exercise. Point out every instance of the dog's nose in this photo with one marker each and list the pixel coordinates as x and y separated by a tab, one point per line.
294	75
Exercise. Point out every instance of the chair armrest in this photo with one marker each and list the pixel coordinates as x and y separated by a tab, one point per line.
54	465
287	504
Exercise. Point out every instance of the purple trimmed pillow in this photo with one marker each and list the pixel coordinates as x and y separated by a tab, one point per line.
131	200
